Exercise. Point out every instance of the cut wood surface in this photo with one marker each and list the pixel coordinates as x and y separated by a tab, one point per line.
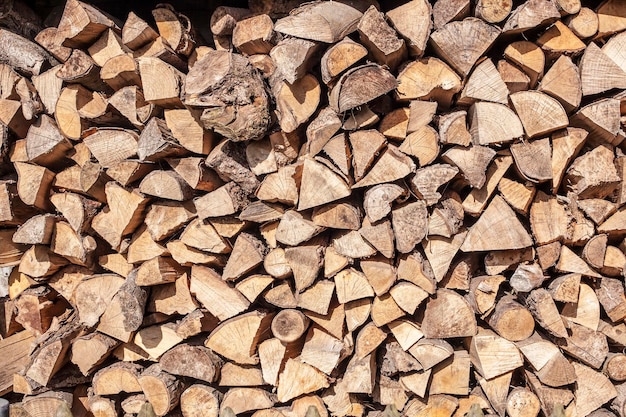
334	208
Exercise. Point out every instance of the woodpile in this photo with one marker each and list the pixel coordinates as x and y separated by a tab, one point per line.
328	209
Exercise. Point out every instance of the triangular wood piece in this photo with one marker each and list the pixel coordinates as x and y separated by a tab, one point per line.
496	390
614	224
472	161
570	262
540	114
566	145
493	123
485	84
294	228
602	120
562	81
305	262
462	43
320	185
237	338
379	235
598	72
366	144
441	250
392	165
248	253
597	209
352	285
533	159
614	49
497	229
592	389
338	152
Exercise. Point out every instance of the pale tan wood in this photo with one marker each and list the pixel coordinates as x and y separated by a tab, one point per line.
380	39
559	39
316	22
321	350
586	310
225	200
446	303
36	230
593	389
385	310
612	225
124	314
412	21
120	71
207	286
490	228
124	214
482	293
484	84
161	389
522	402
452	376
584	23
595	59
562	81
427	79
236	375
493	355
493	123
541	304
477	199
511	320
349	93
422	144
136	32
530	104
394	124
296	102
601	119
515	79
595	250
200	400
116	378
443	405
320	185
81	24
471	161
298	378
448	10
597	209
246	330
536	13
333	321
33	184
446	42
596	182
496	390
571	262
161	82
68	243
614	367
493	11
587	346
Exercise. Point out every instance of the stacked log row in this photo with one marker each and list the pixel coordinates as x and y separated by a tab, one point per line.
327	209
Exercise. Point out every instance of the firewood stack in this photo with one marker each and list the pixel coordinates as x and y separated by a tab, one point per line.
331	210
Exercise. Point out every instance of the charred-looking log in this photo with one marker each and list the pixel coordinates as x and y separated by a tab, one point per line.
231	95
